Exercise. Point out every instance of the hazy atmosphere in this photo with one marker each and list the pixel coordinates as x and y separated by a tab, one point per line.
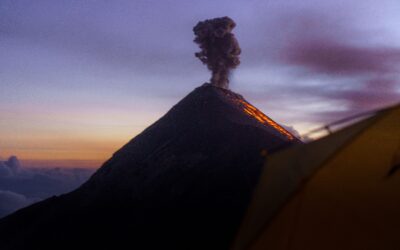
78	79
212	124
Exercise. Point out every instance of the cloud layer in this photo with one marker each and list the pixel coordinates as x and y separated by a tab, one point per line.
11	201
20	186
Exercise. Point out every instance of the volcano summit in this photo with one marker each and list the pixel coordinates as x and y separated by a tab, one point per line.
183	183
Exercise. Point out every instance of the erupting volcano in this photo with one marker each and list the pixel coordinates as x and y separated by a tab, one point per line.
183	183
219	48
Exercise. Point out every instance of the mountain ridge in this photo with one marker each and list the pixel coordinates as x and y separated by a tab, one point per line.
186	180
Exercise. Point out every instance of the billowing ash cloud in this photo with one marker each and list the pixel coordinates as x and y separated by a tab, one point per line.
219	48
20	187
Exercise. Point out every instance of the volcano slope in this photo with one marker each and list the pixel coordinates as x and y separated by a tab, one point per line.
183	183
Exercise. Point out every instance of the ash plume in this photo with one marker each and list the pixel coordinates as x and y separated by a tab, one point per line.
219	48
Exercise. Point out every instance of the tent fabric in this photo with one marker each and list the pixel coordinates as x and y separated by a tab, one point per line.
340	192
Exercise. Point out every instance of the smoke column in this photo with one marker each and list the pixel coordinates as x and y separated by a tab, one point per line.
219	48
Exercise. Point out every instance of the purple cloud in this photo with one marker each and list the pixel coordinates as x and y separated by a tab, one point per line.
339	59
348	63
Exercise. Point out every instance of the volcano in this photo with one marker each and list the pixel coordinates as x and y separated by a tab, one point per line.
183	183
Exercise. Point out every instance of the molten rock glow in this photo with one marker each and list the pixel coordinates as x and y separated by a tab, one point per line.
219	48
261	117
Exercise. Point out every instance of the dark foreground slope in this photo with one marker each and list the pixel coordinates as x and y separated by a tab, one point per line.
183	183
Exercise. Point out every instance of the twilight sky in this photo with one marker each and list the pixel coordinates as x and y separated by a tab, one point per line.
78	79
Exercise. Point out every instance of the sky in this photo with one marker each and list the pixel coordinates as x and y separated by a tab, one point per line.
79	79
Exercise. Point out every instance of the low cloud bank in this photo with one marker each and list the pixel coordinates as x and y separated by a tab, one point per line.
20	187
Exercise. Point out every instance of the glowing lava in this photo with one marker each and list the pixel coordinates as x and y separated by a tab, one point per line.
259	116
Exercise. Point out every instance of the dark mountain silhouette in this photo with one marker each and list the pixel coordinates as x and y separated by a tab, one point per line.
183	183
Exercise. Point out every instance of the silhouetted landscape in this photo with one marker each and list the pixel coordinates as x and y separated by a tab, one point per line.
187	179
113	135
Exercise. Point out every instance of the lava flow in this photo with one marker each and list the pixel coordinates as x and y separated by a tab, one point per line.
261	117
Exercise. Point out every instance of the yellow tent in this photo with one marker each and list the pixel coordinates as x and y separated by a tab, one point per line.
339	192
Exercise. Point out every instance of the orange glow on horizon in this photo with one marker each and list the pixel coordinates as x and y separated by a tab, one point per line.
83	138
66	154
62	163
63	150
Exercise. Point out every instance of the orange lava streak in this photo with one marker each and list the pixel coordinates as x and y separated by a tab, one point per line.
258	115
